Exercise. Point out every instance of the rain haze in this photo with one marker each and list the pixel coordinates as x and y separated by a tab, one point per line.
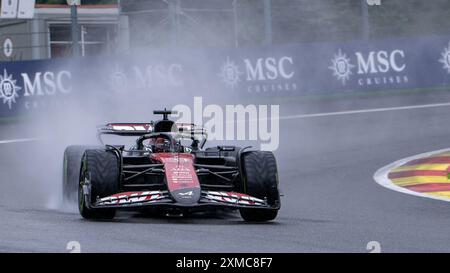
350	88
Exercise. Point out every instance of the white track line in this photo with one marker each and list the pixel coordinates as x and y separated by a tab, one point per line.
381	175
302	116
363	111
350	112
18	140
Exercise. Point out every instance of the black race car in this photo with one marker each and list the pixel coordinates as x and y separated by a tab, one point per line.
160	173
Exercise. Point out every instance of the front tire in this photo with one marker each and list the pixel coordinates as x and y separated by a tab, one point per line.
260	181
101	168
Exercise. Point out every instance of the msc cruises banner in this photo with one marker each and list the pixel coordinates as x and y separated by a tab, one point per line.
289	70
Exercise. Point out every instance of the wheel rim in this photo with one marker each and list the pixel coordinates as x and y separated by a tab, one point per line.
81	193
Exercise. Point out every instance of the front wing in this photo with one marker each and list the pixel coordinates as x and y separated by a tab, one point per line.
140	199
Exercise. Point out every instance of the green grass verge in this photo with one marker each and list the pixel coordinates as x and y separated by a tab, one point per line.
17	119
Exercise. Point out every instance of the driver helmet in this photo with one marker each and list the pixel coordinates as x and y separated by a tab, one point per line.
160	145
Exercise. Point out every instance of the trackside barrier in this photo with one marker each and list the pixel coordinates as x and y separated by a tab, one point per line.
288	70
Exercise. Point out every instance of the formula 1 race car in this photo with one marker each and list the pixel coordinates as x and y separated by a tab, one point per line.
158	172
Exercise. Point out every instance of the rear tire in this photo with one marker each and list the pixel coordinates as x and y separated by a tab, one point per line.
102	167
260	181
71	171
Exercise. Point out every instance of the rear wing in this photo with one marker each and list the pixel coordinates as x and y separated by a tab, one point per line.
187	130
125	129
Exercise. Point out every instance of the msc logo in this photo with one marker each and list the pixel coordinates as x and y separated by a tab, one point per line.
37	85
230	73
118	79
269	69
380	61
150	76
260	74
47	83
341	66
372	68
8	89
445	59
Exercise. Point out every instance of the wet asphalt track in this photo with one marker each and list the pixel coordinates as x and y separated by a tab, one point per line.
331	202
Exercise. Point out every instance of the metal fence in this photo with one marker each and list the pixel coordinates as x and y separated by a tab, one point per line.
211	23
238	23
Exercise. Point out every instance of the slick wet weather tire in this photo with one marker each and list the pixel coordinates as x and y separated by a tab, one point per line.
260	181
101	168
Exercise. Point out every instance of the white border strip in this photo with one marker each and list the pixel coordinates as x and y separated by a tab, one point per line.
363	111
18	140
381	176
